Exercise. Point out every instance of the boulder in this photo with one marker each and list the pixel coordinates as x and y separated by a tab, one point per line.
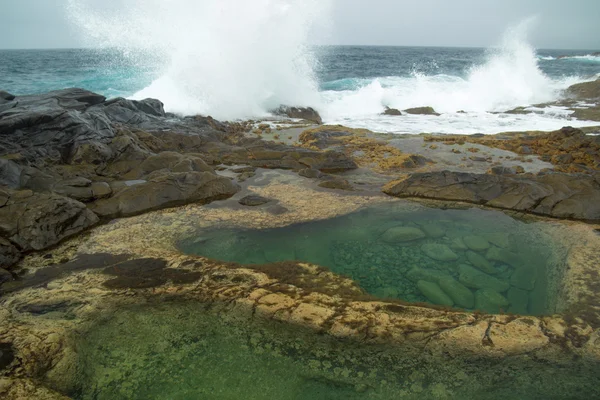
433	230
434	293
481	263
421	111
400	234
35	221
476	243
5	276
10	174
585	90
499	239
392	112
490	301
5	97
169	190
439	252
459	293
458	244
473	278
336	183
556	194
306	113
253	201
310	173
504	256
9	255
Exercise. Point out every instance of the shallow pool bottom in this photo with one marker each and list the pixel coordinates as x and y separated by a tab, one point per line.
188	350
470	259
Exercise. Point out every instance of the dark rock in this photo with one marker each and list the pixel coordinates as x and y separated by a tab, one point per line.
585	90
241	170
5	97
5	276
81	263
10	174
307	113
415	161
9	255
556	195
254	201
392	112
517	169
7	355
146	273
421	111
336	183
169	190
34	221
277	210
310	173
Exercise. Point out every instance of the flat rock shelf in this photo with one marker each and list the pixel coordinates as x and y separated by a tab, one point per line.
470	258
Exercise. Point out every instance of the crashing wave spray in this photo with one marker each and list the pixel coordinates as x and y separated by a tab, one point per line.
508	78
227	58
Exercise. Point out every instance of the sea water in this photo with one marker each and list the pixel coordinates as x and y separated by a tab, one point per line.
184	350
453	258
236	60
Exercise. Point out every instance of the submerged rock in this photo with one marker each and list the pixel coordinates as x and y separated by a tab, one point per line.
459	293
476	243
476	279
503	256
336	183
434	293
433	230
402	234
439	252
481	263
490	301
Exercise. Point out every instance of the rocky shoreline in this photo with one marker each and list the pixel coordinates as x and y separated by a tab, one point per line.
96	194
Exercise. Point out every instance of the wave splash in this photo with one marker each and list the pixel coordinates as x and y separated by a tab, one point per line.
227	58
509	77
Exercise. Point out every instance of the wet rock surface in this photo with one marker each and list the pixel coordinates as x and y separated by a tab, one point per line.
555	195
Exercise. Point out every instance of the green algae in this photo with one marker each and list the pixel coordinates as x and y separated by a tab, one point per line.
189	350
387	250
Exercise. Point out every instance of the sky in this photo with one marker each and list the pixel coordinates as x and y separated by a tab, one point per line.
560	24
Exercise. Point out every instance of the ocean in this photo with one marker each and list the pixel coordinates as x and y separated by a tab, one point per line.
349	85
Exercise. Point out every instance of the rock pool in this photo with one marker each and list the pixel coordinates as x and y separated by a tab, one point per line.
465	258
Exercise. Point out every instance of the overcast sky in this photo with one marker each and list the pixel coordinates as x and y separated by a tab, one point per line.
561	24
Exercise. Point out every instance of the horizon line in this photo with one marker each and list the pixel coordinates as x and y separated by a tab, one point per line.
315	45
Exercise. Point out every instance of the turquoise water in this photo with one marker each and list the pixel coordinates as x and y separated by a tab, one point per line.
190	351
469	259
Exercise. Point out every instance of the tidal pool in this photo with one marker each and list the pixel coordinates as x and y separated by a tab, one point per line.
189	350
469	258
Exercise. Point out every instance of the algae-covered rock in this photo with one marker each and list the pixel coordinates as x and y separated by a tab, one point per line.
459	245
417	274
473	278
518	300
459	293
490	301
392	111
524	278
434	293
476	243
402	234
439	252
481	263
253	201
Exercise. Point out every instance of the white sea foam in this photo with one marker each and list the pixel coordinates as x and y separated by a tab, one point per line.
227	58
509	78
